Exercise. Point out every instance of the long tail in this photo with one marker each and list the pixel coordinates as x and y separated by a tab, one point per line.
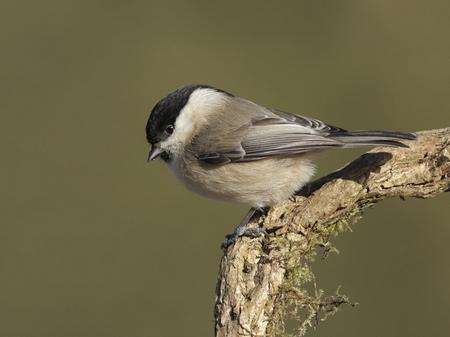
364	138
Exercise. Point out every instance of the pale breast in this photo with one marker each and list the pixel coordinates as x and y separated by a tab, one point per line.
259	183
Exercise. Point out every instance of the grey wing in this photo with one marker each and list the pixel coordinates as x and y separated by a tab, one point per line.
261	133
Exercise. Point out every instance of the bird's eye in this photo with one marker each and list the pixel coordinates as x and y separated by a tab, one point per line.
169	129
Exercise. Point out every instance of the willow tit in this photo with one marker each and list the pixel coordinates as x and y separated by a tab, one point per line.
228	148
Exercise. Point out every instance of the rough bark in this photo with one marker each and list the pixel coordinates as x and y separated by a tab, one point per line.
264	280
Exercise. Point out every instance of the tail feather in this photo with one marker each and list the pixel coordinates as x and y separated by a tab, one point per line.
364	138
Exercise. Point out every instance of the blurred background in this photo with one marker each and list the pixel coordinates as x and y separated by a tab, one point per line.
94	242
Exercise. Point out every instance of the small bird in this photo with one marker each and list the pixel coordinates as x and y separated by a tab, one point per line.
229	148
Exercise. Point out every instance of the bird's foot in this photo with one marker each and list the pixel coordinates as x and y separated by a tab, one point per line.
242	231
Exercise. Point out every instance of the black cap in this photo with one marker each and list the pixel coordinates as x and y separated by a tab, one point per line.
166	111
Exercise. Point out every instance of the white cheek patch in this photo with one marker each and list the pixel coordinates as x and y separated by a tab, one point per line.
201	104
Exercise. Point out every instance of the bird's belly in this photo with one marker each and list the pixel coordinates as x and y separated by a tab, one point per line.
260	183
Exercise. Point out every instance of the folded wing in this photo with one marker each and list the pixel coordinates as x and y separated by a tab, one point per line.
258	133
271	133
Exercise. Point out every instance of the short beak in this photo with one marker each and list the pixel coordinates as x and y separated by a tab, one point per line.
154	152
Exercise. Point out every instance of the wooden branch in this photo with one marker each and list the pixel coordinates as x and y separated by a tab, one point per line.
264	280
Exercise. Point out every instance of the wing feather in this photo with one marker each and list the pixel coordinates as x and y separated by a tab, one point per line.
258	133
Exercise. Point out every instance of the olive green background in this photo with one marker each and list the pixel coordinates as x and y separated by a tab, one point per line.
94	242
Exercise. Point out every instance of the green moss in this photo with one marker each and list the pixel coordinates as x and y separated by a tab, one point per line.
299	298
344	222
